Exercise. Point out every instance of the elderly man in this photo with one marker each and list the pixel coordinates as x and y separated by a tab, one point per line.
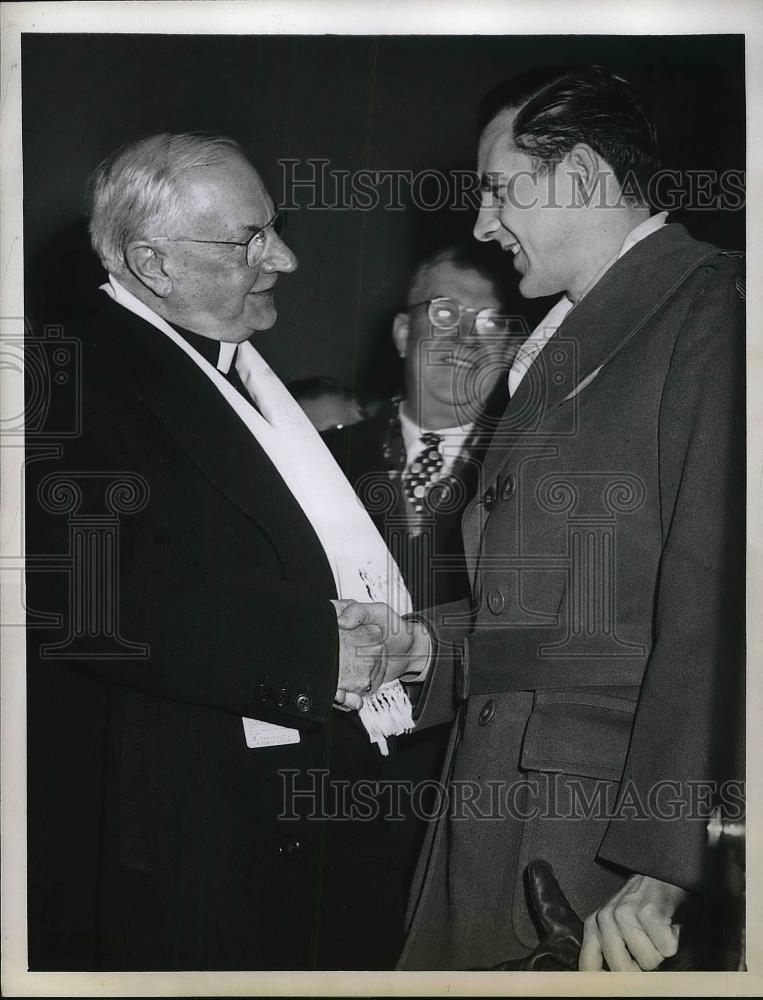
160	730
594	676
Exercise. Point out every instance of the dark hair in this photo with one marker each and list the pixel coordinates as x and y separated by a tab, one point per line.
317	386
464	257
560	106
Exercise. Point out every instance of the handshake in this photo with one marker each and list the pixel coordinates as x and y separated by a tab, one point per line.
375	646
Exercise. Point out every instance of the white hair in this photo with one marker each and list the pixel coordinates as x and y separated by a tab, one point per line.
135	189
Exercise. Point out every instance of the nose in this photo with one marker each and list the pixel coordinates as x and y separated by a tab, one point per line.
487	223
278	256
467	327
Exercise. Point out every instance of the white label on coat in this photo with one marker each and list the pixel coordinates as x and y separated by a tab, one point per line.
265	734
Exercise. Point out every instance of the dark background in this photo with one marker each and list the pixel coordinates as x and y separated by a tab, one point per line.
386	103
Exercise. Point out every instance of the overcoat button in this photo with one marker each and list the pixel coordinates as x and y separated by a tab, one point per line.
508	488
287	846
303	702
486	713
496	601
263	693
282	698
489	499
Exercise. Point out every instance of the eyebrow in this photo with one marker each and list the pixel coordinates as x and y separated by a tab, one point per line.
490	183
257	226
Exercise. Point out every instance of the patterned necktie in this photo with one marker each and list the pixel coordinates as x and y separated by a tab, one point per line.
420	475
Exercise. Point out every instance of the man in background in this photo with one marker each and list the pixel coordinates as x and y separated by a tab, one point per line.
415	463
328	404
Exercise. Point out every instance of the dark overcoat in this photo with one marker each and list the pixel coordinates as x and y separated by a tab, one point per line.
157	838
594	675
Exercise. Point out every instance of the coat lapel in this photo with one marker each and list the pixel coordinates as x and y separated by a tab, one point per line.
200	420
631	291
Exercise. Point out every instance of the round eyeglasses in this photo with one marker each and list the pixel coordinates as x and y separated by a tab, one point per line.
445	313
255	245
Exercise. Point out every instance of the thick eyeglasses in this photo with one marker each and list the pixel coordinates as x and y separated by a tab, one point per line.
445	313
255	245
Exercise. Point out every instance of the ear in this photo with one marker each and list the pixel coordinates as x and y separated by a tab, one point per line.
148	266
401	328
586	167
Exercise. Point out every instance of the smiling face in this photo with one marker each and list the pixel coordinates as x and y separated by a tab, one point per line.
449	373
214	291
531	213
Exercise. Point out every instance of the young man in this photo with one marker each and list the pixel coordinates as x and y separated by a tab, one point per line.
595	674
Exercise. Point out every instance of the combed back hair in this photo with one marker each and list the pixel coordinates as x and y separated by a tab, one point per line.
463	257
561	106
133	193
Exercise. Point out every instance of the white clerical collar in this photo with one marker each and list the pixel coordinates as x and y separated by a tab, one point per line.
123	297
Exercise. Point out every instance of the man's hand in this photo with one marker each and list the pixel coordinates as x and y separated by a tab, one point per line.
633	931
362	660
407	644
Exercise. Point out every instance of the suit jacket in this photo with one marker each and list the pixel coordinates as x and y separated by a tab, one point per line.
429	548
157	839
431	559
595	676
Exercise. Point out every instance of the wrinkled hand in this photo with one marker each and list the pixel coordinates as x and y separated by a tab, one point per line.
362	661
633	931
406	643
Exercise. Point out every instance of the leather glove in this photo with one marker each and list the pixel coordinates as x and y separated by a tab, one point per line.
559	948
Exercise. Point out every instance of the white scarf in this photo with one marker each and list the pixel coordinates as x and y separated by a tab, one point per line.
360	561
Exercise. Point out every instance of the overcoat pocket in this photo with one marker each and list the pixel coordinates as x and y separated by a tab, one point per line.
579	733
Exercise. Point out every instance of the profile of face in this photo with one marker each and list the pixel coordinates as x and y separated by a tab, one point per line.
457	366
211	289
531	213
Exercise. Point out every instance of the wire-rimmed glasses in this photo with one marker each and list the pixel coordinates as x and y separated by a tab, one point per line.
446	313
255	245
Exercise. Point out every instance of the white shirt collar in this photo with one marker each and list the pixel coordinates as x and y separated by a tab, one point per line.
643	229
638	233
551	322
454	440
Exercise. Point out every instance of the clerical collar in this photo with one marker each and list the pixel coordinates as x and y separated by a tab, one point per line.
219	353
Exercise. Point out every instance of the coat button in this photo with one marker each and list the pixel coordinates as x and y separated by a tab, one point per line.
496	601
489	499
486	713
288	846
282	698
303	702
263	693
509	486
